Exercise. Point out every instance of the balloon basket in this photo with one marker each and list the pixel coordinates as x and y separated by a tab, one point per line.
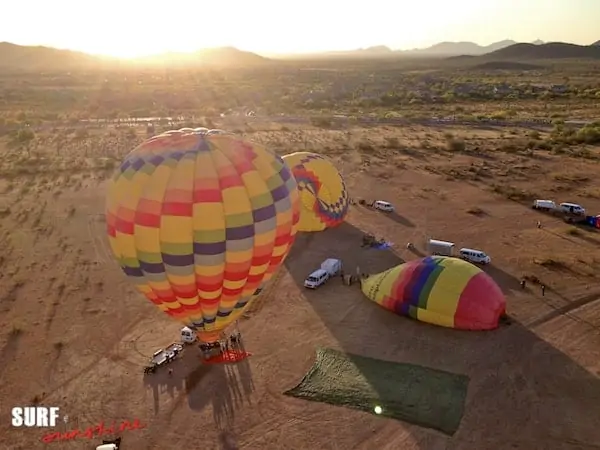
228	357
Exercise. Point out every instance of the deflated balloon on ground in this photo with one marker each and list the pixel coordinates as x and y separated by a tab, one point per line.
442	291
200	220
323	194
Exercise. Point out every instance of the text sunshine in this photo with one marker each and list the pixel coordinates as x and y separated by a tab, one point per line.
93	432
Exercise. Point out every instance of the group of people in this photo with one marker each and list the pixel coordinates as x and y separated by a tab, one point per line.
542	286
231	343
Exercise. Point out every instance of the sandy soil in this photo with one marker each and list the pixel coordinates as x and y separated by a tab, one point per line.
76	335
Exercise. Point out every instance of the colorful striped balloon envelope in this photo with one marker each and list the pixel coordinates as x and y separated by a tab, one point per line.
442	291
323	194
200	221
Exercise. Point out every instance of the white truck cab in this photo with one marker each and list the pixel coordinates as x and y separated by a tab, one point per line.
316	279
383	206
188	336
474	256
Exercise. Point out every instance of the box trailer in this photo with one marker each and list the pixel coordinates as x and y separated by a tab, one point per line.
443	248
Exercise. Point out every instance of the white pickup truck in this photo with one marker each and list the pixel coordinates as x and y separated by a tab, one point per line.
329	268
163	356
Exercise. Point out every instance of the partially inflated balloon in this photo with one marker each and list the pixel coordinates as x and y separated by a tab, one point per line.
200	220
443	291
323	194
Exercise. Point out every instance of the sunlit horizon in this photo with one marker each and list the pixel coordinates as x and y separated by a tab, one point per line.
135	29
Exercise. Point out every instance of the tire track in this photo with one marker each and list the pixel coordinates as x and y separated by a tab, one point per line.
97	242
86	369
567	309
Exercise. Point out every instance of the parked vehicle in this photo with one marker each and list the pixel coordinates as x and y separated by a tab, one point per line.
474	256
110	445
572	208
383	206
544	205
443	248
163	356
188	336
332	266
316	279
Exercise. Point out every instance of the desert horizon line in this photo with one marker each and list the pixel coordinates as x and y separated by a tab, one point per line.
269	54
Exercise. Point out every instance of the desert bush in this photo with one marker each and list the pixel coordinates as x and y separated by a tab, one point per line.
392	142
476	211
321	122
551	263
365	146
456	145
513	193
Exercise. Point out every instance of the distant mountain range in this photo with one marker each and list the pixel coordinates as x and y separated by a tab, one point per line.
23	58
18	57
449	49
551	50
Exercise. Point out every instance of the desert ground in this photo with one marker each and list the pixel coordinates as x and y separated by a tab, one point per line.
75	334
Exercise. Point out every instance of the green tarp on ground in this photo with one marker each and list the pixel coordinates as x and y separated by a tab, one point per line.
415	394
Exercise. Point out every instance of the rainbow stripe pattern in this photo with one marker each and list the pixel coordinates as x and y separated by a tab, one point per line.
200	220
323	193
439	290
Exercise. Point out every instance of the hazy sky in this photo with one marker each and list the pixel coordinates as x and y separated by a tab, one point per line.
136	27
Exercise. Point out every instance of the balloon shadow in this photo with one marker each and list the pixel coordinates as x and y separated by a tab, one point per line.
523	393
10	349
233	386
343	242
173	378
224	386
506	281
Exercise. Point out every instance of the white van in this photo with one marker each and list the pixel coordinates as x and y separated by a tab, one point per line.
316	279
544	205
474	256
572	208
383	206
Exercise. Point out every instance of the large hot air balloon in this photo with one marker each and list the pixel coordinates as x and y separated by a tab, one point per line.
200	220
323	194
443	291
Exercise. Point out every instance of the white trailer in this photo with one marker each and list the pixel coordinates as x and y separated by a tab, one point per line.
544	205
437	247
332	266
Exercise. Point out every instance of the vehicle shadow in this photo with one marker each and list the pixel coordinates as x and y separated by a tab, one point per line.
523	392
399	219
224	386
